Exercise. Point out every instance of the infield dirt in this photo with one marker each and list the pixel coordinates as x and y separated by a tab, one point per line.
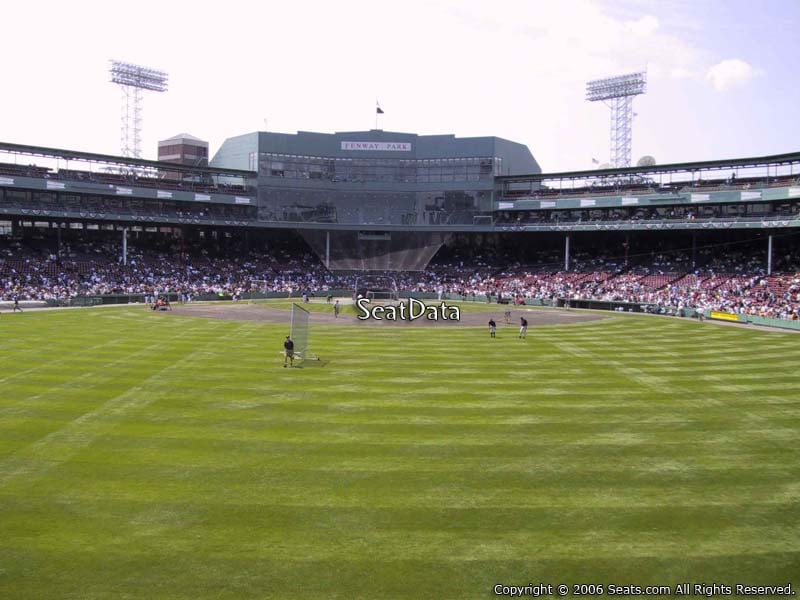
251	312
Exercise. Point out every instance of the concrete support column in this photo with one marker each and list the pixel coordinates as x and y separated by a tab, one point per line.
124	246
769	255
566	253
627	246
327	249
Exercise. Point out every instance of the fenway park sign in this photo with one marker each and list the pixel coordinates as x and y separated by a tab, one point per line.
378	146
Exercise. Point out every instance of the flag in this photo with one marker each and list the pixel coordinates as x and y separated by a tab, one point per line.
379	111
595	161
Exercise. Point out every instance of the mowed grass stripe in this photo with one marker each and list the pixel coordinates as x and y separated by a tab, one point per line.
411	456
56	447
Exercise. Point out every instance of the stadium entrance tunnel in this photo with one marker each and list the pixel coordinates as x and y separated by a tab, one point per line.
375	250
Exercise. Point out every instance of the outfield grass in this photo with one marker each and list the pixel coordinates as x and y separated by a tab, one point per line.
149	455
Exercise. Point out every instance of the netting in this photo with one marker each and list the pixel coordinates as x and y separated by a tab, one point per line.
375	251
376	287
299	330
379	295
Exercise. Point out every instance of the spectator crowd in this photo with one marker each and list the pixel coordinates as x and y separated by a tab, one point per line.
731	281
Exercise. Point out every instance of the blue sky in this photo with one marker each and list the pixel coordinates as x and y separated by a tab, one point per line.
755	116
722	76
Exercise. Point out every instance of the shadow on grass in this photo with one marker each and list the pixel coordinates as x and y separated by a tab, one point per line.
312	364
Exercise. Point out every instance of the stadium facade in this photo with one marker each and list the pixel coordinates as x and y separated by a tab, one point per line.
384	201
389	182
375	177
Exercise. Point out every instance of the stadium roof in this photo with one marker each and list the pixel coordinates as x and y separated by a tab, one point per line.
728	163
116	160
182	136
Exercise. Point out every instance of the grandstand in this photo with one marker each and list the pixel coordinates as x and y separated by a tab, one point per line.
471	217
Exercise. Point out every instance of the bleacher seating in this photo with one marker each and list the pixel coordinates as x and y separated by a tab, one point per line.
724	280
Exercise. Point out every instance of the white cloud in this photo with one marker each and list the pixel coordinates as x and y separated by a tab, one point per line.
647	25
680	73
467	69
730	73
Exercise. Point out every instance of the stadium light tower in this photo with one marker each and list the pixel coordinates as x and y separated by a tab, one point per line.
617	93
134	79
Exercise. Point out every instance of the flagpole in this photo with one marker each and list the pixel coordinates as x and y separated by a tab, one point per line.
378	112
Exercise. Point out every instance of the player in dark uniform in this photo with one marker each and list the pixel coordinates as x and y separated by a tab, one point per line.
492	327
16	305
288	351
523	328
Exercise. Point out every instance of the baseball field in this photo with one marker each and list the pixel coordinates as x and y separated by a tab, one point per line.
169	456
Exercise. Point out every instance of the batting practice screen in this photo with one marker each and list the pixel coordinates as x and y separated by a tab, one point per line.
299	330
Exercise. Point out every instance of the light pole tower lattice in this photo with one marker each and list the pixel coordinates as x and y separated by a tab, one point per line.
134	80
617	93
